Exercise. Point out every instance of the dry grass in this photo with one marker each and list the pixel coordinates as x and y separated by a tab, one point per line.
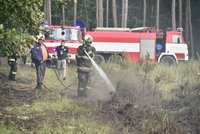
149	99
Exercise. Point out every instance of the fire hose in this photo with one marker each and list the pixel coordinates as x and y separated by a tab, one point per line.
65	87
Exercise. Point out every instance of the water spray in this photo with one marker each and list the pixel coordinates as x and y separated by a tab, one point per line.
101	73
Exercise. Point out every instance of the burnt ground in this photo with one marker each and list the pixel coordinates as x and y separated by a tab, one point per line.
141	108
136	107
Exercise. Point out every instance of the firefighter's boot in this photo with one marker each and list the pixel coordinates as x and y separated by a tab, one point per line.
12	76
39	86
88	88
38	89
82	93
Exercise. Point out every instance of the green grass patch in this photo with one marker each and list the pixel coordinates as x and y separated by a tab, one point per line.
8	129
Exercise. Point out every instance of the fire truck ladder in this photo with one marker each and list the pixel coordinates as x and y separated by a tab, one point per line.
112	29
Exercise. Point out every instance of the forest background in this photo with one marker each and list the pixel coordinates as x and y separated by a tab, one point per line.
28	18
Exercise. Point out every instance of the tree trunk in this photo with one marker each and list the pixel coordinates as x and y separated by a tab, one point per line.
107	12
180	13
157	14
63	15
125	13
97	13
47	11
174	14
187	23
86	14
152	13
114	11
75	11
101	13
144	12
190	27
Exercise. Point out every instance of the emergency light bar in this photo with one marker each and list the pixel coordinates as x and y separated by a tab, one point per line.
180	29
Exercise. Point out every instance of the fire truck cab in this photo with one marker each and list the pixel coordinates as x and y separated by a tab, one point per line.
173	46
140	44
55	34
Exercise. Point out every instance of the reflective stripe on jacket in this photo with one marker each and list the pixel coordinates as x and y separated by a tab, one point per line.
11	59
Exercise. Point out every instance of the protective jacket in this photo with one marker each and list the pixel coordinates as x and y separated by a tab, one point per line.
12	58
83	62
12	62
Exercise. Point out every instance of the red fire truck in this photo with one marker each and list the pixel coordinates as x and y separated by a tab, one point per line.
71	35
137	44
140	44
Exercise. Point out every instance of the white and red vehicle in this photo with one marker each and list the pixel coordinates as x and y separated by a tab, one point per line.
136	44
139	43
71	35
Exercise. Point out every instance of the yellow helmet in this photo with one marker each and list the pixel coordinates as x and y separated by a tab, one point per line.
88	38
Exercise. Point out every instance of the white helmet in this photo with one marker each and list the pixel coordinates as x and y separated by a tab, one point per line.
88	38
40	37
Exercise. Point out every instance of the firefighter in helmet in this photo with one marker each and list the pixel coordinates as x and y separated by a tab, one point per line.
39	55
84	65
12	62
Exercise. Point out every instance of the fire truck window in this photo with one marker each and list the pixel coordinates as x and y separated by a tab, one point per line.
56	34
70	34
51	36
176	39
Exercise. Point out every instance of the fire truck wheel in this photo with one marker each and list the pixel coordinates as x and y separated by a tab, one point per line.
99	59
168	60
115	58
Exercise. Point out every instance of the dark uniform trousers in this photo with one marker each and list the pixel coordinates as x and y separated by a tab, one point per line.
13	68
84	83
40	69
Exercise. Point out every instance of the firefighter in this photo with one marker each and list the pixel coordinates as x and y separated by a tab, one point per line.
84	65
12	62
61	54
39	55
